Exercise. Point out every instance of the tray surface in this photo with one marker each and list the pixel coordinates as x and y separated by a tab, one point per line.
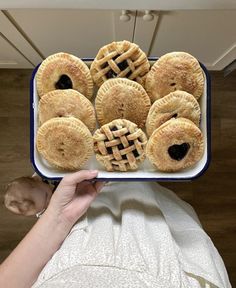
146	171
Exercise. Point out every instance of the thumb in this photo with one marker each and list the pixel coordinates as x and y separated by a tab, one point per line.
73	179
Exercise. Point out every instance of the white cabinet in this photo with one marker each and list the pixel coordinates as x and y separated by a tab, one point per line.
208	35
15	50
161	5
80	32
10	57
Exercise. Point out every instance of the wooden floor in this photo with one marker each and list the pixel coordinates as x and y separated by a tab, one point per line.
213	195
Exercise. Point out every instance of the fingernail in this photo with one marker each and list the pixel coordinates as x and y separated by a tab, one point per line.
93	171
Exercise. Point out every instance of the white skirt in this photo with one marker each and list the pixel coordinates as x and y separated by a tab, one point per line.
136	235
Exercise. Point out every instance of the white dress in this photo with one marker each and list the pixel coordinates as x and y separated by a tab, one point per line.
136	235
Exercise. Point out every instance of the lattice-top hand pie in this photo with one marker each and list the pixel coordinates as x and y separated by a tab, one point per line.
120	59
122	99
64	71
120	145
175	71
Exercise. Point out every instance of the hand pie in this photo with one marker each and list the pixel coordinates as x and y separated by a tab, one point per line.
67	103
175	71
174	105
66	143
120	145
122	98
120	59
64	71
175	145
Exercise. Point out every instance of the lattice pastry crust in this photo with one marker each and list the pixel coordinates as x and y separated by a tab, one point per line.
120	59
120	145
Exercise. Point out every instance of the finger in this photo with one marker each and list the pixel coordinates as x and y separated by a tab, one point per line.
77	177
98	186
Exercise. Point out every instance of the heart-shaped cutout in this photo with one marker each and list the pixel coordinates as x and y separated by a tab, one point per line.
178	152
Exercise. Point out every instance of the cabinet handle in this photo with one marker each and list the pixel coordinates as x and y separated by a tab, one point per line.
148	16
125	17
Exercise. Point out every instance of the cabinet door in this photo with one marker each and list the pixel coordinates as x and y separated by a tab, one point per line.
145	29
80	32
10	32
11	57
208	35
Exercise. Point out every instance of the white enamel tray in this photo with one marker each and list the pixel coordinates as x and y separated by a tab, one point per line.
146	171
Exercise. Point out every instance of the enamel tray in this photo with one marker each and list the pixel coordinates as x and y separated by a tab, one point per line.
146	171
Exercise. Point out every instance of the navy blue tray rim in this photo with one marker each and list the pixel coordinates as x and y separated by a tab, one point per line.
184	179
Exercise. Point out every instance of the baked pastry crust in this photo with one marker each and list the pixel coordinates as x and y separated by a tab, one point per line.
122	98
175	71
120	59
66	103
174	105
66	143
64	71
119	145
175	145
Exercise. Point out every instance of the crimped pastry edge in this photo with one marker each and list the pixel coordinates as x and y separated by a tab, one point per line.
113	46
44	100
173	124
54	57
155	67
75	124
151	121
107	85
119	122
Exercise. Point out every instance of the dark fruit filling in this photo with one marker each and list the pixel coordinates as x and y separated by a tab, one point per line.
120	146
109	150
64	82
122	65
124	157
178	152
111	74
135	153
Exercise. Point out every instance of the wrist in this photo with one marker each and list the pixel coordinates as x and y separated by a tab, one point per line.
58	222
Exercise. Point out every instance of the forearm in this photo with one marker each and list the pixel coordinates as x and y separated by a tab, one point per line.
24	264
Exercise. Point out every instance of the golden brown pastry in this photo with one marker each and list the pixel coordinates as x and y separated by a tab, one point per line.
64	71
175	145
175	71
122	98
66	143
119	145
120	59
67	103
174	105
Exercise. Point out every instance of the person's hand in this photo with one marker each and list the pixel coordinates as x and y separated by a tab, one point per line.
74	195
